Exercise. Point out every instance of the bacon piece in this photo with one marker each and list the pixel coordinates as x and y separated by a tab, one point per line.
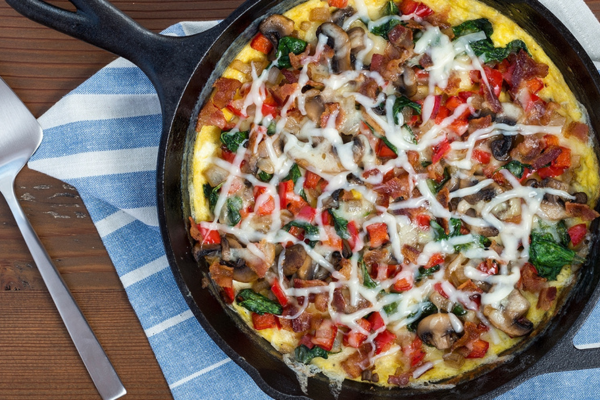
369	88
306	283
226	89
330	109
401	37
530	280
300	324
525	68
322	301
211	115
479	123
426	61
290	76
410	253
454	81
582	211
357	362
399	380
395	187
346	268
298	61
443	197
472	333
527	150
281	93
579	130
261	265
547	157
547	297
222	275
469	286
377	256
491	99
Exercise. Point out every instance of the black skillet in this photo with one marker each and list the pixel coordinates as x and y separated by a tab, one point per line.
183	70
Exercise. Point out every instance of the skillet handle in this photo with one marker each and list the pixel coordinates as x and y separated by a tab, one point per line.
167	61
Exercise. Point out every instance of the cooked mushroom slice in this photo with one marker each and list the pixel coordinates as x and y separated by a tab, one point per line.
296	259
501	147
409	79
338	40
440	330
228	243
440	301
340	15
202	250
244	274
314	108
552	210
356	36
509	318
487	231
275	27
580	198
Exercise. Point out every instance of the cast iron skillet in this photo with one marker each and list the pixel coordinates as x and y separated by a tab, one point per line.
183	70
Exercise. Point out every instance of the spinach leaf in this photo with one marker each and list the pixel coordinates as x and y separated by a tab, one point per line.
440	233
479	241
516	168
234	205
263	176
549	257
402	102
563	233
305	355
258	303
368	282
390	308
293	175
287	45
212	195
384	29
309	229
486	50
474	26
434	186
391	9
458	310
427	272
340	225
233	139
425	309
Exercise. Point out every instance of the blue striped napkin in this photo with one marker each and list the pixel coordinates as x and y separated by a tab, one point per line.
103	139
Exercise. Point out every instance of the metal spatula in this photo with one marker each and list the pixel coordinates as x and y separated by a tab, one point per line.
20	136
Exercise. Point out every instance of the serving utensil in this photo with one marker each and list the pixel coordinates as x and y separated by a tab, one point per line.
20	136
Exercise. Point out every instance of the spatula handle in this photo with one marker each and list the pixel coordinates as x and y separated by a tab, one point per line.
99	367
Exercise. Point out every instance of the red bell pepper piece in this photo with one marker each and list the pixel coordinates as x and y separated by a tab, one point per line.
577	233
440	150
353	231
494	78
376	321
265	321
435	259
551	140
479	349
563	160
286	193
333	240
423	221
438	288
326	218
442	114
311	180
482	156
266	207
354	338
384	341
415	352
402	285
453	102
535	85
325	335
227	155
414	7
279	293
384	151
338	3
550	172
489	267
307	213
378	234
209	236
261	43
228	295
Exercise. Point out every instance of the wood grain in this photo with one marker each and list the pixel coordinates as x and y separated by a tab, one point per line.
37	359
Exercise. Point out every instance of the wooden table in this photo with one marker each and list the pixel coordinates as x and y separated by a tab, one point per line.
37	358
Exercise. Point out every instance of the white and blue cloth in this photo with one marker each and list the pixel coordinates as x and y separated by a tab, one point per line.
103	139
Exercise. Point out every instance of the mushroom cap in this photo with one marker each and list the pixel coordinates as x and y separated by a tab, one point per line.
338	40
275	27
438	330
510	317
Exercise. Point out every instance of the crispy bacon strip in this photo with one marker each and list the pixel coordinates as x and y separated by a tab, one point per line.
582	211
211	115
547	297
579	130
225	91
547	157
357	362
401	37
222	275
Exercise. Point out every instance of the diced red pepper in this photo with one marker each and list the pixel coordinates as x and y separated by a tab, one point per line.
266	207
353	231
438	288
311	180
577	233
338	3
234	110
333	240
414	7
384	151
442	114
325	335
261	43
326	218
286	193
482	156
422	75
437	103
227	155
423	221
489	267
453	102
550	172
265	321
209	236
376	321
229	295
563	160
268	109
440	150
384	341
480	348
354	338
494	78
402	285
435	259
464	96
415	352
378	234
307	213
279	293
535	85
459	126
296	232
551	140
